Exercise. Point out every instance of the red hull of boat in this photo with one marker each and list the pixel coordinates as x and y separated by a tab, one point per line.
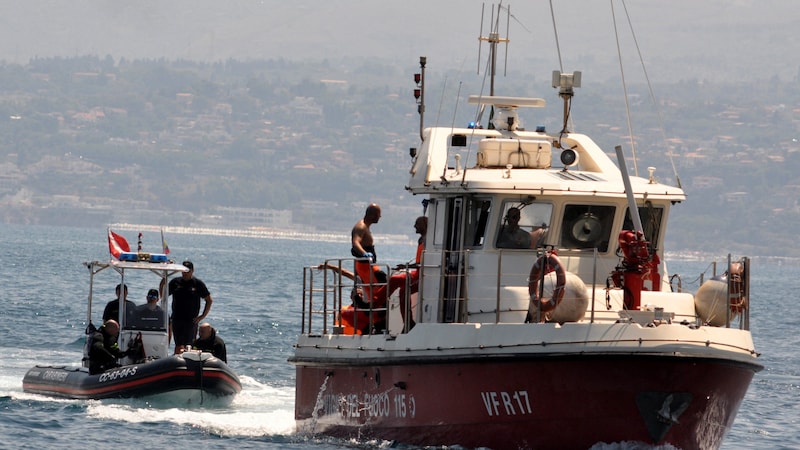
534	403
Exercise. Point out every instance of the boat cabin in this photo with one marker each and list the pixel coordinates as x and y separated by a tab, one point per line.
504	201
147	320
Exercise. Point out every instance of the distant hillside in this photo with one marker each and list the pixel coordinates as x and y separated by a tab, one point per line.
177	142
719	40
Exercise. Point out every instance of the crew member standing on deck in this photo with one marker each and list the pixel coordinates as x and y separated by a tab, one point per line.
421	228
361	236
363	246
186	292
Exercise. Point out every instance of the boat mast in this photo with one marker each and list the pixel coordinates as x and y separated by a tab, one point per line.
493	39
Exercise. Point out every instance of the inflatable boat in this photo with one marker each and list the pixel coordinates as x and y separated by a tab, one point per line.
148	368
194	376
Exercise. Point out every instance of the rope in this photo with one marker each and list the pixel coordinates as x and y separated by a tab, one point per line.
555	31
624	91
652	96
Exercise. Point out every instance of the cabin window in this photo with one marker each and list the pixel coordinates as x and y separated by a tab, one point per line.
651	217
475	218
524	225
478	211
587	226
436	223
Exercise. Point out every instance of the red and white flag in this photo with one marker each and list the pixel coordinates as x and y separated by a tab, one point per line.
117	244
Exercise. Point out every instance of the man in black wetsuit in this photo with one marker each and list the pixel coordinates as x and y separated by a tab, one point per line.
103	348
186	292
210	342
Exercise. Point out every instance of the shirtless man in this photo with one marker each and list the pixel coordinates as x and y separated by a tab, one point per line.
364	247
361	236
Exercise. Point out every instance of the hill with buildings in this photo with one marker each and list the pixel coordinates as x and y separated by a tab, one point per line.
307	145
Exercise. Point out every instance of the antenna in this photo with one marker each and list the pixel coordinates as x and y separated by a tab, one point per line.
480	41
508	29
419	94
493	38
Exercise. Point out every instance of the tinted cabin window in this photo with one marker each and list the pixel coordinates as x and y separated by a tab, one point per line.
524	225
458	140
587	226
651	222
436	223
478	211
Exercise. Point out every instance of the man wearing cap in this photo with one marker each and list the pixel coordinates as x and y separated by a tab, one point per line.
150	315
186	292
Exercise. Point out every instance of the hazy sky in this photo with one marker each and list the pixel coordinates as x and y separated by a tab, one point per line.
735	39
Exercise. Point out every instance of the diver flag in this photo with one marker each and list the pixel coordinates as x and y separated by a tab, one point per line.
164	245
117	244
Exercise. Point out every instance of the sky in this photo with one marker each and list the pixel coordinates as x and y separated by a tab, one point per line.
718	39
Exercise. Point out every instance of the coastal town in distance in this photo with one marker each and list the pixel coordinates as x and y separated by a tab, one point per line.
305	147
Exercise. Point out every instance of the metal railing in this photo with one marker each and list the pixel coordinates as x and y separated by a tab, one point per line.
340	292
325	301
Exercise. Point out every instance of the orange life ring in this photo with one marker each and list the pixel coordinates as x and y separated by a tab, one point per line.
548	262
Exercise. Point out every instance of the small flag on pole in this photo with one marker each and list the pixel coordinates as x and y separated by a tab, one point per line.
164	245
117	244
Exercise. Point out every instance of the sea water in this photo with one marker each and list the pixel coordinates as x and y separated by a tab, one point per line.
256	286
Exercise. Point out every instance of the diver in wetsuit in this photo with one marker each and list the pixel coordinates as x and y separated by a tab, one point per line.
103	348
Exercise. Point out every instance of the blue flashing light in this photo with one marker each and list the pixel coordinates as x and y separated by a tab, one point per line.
144	257
158	258
128	256
472	125
540	129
